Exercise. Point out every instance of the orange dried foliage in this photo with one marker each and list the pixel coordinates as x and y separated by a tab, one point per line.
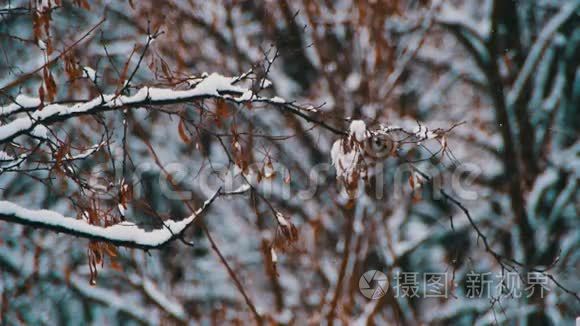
60	154
221	112
183	132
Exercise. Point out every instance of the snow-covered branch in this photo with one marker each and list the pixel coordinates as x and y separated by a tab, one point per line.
212	86
9	163
170	305
122	234
566	12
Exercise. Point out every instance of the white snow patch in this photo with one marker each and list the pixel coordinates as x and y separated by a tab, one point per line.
453	15
20	102
246	96
46	4
424	133
266	83
40	131
277	99
358	129
41	44
122	209
168	305
5	156
274	255
343	162
353	81
281	219
90	73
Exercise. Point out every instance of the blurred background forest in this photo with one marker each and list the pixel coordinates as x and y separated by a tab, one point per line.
501	77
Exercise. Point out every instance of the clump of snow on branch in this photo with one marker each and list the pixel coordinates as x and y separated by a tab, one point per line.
20	102
343	159
90	73
358	129
347	153
40	131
